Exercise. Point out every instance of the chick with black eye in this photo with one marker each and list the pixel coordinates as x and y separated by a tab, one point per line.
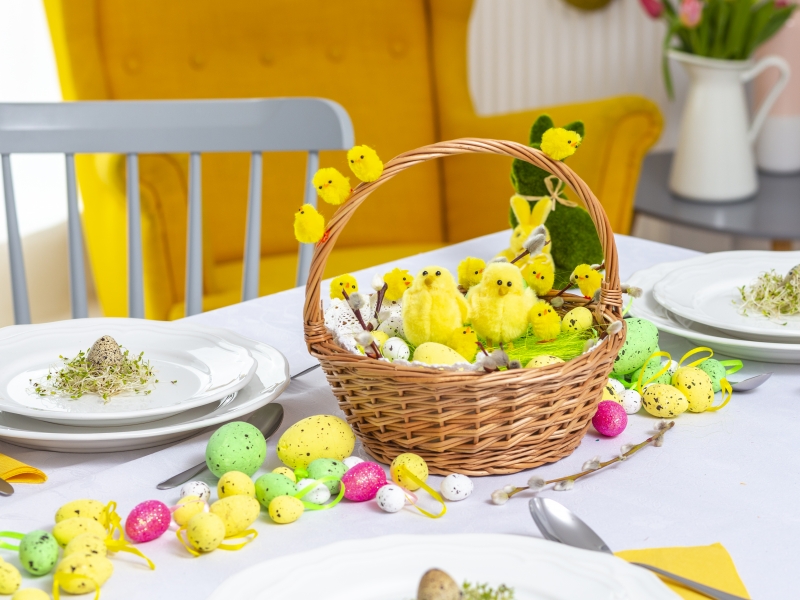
438	273
424	273
499	282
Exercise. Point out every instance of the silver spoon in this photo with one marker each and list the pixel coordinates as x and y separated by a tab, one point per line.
750	383
5	488
559	524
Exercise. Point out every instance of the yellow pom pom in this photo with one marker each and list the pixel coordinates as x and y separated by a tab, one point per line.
364	163
397	282
343	283
559	143
470	272
309	225
332	186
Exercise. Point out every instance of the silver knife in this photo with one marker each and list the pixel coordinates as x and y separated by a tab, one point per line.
5	488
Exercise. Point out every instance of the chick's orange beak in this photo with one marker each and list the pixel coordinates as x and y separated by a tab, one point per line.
407	282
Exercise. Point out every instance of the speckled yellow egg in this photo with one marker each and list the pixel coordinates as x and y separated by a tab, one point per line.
286	472
415	464
91	509
696	385
432	353
236	512
187	507
662	400
321	436
205	531
86	543
235	483
285	509
10	578
610	393
542	361
91	569
68	529
380	338
577	319
30	594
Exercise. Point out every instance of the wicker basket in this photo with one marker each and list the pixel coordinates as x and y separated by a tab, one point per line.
468	422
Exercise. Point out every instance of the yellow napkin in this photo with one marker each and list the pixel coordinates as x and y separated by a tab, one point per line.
711	565
14	471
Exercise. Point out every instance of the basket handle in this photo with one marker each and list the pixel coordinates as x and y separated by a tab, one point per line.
610	295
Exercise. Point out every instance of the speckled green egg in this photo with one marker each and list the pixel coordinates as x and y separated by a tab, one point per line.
664	401
66	530
320	436
38	552
272	485
9	578
641	341
328	467
696	386
715	371
653	367
237	446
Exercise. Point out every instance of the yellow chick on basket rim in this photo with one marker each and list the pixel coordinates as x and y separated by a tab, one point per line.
559	143
499	304
332	186
539	273
364	163
464	341
343	283
397	282
309	225
545	321
470	272
433	307
587	279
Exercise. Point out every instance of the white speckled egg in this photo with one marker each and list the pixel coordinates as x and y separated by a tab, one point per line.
673	366
319	495
456	487
352	461
395	348
393	327
617	385
196	488
391	498
631	401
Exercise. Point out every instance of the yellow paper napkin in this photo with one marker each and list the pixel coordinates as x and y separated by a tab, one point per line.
14	471
711	565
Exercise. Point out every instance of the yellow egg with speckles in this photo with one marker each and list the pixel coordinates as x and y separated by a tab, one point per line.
320	436
205	531
30	594
91	509
609	393
86	543
697	386
662	400
380	338
542	361
68	529
285	509
578	319
235	483
86	572
236	512
187	507
10	578
415	464
286	472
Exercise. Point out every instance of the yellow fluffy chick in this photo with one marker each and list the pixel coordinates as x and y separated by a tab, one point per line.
343	283
364	163
539	273
545	321
470	272
309	225
464	341
499	304
587	279
433	307
332	186
559	143
397	282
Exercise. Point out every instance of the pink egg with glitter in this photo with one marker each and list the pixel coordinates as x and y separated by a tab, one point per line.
147	521
362	482
610	419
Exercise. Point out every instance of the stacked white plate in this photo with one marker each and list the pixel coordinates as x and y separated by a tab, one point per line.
699	299
205	376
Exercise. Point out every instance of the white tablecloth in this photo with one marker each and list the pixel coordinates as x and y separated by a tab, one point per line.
729	476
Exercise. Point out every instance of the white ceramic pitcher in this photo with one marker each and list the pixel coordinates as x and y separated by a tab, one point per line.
714	160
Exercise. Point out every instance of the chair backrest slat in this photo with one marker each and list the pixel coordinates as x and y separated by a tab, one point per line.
77	272
306	251
19	287
252	241
135	267
194	240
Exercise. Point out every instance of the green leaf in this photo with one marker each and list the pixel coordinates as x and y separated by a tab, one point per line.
577	127
738	28
776	21
759	19
720	30
540	125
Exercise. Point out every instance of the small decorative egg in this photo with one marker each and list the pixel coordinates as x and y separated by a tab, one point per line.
696	386
10	578
641	341
578	319
287	472
91	509
415	464
652	367
285	509
673	366
542	361
363	481
197	488
352	461
395	348
86	543
327	467
205	531
391	498
237	446
380	337
187	507
393	327
610	419
147	521
320	493
271	485
30	594
320	436
38	552
715	371
235	483
88	571
617	385
66	530
432	353
631	401
236	512
610	393
456	487
438	585
664	401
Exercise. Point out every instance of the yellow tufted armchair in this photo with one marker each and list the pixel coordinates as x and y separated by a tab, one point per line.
400	73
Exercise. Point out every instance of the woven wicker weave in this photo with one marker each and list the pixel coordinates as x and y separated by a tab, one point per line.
468	422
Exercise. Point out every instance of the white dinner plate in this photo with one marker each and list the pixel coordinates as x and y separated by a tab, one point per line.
193	367
705	289
270	379
390	567
646	307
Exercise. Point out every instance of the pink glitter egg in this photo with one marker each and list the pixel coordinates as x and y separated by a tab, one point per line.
362	482
610	419
147	521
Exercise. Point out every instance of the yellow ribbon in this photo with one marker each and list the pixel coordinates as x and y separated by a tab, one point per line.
727	394
60	578
404	471
243	534
664	369
310	505
119	544
699	360
554	187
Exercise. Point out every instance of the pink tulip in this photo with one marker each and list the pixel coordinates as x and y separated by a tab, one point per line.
690	13
654	8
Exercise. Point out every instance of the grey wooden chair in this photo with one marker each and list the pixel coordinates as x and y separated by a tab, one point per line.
156	127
